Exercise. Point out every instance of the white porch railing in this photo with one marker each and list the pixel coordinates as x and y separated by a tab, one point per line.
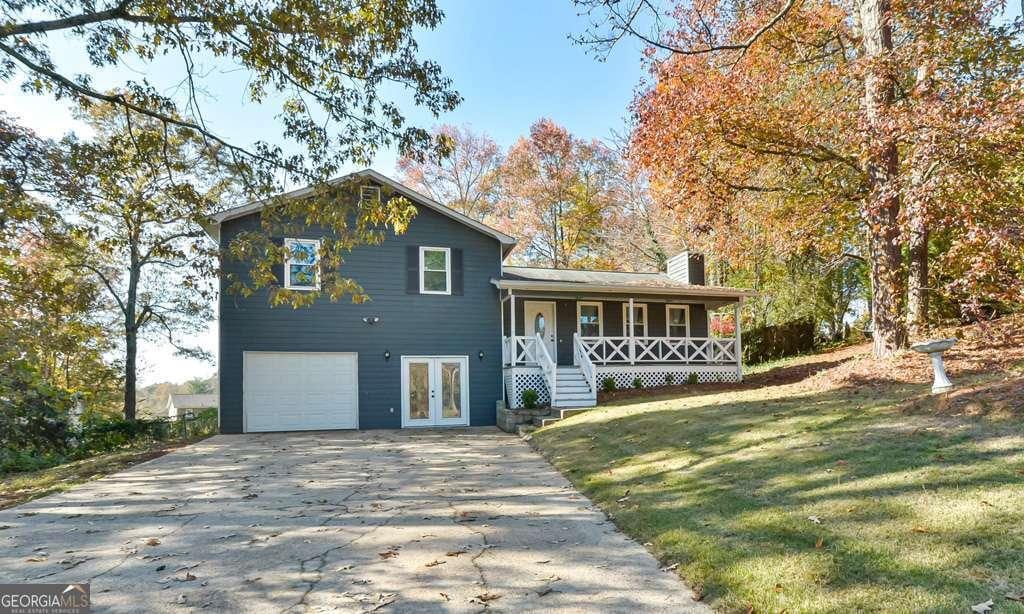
631	350
581	359
547	364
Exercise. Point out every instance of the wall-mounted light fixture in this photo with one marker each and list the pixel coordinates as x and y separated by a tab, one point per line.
387	355
481	355
371	320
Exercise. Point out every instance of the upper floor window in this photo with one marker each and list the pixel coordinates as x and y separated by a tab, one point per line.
677	319
435	270
590	319
301	264
369	193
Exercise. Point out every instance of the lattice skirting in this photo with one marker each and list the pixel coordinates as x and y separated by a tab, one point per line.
518	379
657	375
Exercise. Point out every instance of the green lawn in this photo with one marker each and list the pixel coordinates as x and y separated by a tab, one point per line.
917	509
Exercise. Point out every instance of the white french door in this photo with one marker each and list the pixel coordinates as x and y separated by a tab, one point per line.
435	391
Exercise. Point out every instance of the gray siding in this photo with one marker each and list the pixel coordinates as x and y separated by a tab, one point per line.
565	314
410	324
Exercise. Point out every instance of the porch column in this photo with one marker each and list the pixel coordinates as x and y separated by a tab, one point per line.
512	333
739	344
632	343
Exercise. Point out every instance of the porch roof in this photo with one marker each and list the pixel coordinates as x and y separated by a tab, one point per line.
570	280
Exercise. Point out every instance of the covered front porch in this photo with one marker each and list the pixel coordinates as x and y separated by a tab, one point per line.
656	333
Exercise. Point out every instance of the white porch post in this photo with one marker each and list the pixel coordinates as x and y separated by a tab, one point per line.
632	346
512	321
739	344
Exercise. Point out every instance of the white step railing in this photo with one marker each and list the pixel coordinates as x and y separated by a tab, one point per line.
547	365
581	359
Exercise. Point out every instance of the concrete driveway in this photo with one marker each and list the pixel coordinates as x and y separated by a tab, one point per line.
392	521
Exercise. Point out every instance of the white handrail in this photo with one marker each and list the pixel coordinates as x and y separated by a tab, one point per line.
686	350
582	359
547	366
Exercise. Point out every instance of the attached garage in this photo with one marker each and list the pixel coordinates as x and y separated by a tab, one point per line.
300	391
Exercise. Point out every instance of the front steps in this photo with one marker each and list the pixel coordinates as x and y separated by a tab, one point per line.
572	389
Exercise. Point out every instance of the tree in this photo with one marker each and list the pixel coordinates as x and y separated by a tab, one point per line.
467	179
332	64
137	195
556	195
198	385
799	115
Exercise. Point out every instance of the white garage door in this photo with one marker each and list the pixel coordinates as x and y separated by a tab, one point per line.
300	391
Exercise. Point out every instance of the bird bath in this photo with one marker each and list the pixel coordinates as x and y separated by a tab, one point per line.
935	348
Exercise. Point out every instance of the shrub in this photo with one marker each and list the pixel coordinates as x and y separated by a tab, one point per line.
691	378
530	397
766	343
637	383
100	434
33	418
669	379
608	384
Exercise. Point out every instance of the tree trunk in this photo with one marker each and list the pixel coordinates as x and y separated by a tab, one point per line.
917	248
881	209
131	349
917	220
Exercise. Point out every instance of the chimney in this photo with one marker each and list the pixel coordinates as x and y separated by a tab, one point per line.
687	267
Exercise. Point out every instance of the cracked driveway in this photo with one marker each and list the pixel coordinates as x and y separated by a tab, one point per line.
391	521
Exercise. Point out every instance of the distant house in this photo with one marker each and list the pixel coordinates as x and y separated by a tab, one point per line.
181	404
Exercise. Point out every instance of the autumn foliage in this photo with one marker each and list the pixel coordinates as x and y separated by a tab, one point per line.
898	142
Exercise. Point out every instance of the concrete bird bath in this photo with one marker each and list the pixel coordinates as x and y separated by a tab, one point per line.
935	348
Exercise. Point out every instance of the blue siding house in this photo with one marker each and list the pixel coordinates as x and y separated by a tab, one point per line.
449	332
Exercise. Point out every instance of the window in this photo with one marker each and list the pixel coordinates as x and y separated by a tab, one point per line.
639	319
435	270
301	264
369	193
589	320
677	320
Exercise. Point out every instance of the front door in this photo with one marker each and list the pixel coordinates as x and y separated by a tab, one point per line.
540	320
435	391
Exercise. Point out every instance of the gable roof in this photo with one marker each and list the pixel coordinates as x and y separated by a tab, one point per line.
507	242
574	280
192	401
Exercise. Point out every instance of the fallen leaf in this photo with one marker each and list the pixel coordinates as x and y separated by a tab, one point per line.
544	590
670	567
388	554
814	519
152	541
918	529
818	544
983	607
435	563
485	597
446	597
455	552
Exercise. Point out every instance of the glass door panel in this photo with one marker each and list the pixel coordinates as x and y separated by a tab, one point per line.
451	390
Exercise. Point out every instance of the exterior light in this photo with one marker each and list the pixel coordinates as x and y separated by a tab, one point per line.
481	355
387	355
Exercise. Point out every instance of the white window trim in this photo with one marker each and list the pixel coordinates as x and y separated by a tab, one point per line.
373	190
288	261
447	266
625	318
600	316
686	321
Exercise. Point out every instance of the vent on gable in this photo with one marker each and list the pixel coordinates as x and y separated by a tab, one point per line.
369	193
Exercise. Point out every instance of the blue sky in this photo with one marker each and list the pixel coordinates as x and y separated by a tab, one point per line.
512	62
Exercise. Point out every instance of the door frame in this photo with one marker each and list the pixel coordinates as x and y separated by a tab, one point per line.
245	414
464	360
554	324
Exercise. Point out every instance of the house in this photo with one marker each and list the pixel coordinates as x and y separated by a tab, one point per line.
450	331
180	404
